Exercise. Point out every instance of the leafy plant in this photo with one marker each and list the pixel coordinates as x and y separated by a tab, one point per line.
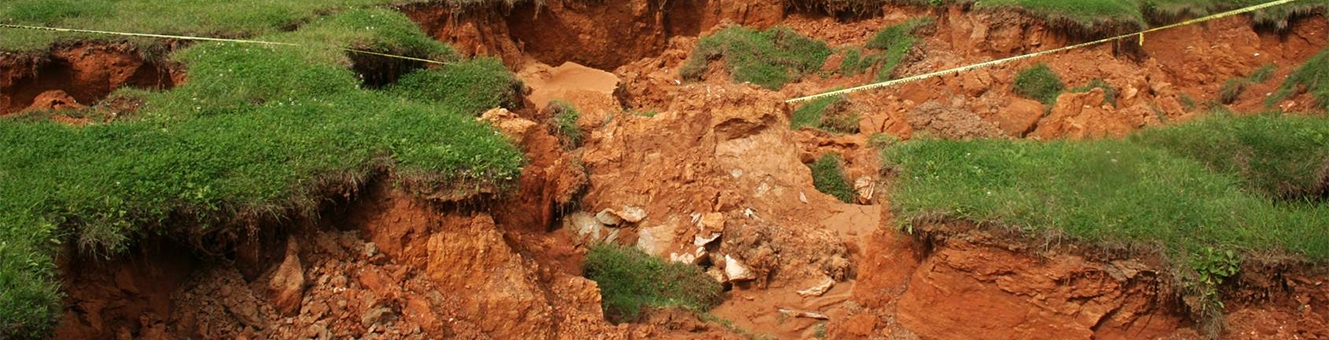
631	282
1039	83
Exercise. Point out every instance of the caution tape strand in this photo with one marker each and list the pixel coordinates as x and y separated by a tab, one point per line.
961	69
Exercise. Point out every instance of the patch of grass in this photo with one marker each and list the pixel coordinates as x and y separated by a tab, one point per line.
565	124
1232	88
1312	77
1277	157
1086	13
1110	190
471	87
769	58
830	114
895	42
1039	83
631	281
828	177
257	133
1109	92
233	18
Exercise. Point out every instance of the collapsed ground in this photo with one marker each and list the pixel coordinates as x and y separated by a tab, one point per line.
338	208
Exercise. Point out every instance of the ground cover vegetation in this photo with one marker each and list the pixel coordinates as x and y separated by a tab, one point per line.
256	132
1207	193
632	282
1311	78
828	177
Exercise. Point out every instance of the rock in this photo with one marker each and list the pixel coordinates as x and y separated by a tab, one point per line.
866	188
511	125
717	274
818	290
656	240
611	217
375	316
1019	117
286	288
736	271
700	240
713	222
632	214
608	217
950	122
689	258
317	331
588	229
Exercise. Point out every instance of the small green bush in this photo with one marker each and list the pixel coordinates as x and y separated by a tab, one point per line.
1039	83
565	124
1109	92
631	281
769	58
1312	77
828	177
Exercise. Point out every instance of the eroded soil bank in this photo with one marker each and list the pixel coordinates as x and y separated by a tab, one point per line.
721	181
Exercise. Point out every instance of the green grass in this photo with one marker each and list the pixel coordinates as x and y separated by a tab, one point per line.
257	133
1277	157
828	177
232	18
1039	83
830	114
1086	13
565	124
1232	88
1109	92
631	282
768	58
1312	78
1149	190
894	42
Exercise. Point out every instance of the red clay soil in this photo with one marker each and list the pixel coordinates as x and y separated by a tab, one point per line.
721	182
77	75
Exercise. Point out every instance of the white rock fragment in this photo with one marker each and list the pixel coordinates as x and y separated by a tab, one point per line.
717	274
608	217
818	290
632	214
802	197
736	271
692	259
700	240
804	314
865	187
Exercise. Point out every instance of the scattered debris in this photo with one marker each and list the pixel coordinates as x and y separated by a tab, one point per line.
818	290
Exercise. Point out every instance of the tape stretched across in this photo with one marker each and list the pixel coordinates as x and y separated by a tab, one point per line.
1139	35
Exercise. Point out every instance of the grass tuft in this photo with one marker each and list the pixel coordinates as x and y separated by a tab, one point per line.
828	177
768	58
471	87
565	124
1312	78
1039	83
631	282
895	42
830	114
1232	88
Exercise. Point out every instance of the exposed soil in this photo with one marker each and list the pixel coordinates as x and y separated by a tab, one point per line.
712	177
78	75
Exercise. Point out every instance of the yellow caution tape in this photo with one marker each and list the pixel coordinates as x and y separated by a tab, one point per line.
1042	53
193	38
